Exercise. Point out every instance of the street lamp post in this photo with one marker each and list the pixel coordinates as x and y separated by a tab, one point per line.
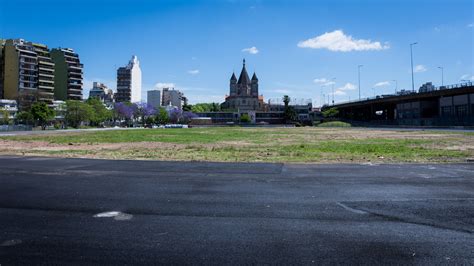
442	75
333	82
396	85
412	75
358	72
322	96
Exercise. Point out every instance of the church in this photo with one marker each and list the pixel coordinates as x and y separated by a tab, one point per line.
243	93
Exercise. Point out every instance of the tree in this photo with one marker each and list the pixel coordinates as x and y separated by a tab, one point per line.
245	118
205	107
162	116
5	116
187	107
78	112
124	111
175	115
286	100
144	111
24	117
186	117
42	114
100	114
330	113
289	112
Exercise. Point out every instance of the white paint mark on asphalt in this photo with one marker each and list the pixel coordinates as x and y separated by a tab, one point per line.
119	216
106	214
347	208
9	243
426	176
370	164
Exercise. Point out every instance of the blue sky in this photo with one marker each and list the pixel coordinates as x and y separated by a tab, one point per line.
296	47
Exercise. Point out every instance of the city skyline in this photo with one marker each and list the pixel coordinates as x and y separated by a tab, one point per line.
295	48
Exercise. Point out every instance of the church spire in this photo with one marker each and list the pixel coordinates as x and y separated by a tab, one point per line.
254	77
244	76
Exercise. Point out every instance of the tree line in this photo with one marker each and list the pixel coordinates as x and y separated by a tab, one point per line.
94	113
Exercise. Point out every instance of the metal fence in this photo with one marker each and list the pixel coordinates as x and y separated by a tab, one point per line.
15	128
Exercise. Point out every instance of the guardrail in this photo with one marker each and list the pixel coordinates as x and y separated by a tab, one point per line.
440	88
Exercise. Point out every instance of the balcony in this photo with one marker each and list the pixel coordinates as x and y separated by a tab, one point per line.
44	62
75	66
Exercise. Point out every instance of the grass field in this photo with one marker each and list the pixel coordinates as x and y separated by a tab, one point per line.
308	144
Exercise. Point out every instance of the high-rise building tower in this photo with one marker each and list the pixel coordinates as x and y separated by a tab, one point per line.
154	98
68	74
129	82
26	72
172	97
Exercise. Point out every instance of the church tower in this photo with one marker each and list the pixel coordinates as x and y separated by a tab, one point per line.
243	84
233	85
254	85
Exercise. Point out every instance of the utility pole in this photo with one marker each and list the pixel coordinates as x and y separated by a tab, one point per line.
396	85
412	75
333	82
442	75
358	72
322	95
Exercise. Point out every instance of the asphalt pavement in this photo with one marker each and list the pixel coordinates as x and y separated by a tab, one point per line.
83	211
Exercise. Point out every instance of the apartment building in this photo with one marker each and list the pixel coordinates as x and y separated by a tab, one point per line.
172	97
129	82
102	92
26	72
68	74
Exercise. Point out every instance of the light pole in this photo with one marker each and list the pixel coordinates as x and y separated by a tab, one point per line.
396	85
358	72
322	95
333	82
412	75
442	75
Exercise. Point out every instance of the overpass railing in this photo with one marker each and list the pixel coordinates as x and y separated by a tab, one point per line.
439	88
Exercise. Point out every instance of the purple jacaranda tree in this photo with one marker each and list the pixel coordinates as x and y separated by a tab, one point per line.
123	111
174	115
186	117
144	111
178	116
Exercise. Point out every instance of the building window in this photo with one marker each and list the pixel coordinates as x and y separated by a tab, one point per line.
446	111
461	110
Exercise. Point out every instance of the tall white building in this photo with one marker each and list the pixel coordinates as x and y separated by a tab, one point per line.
129	82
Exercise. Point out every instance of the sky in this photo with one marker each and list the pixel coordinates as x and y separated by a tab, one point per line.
304	49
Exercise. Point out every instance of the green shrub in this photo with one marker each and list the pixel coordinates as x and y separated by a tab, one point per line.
334	124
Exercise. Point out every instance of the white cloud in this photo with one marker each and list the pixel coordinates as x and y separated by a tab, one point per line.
342	90
338	93
382	84
337	41
420	68
161	85
282	91
347	87
467	77
323	81
251	50
193	72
